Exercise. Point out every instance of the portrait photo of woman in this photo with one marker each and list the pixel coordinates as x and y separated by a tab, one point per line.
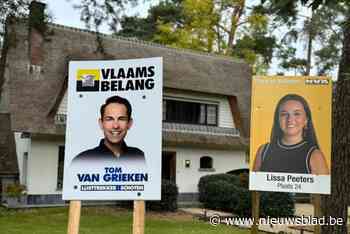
293	146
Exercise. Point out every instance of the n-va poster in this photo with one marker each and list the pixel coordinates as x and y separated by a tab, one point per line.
114	126
290	146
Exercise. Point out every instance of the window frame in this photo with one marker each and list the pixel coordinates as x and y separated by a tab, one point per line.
60	166
206	168
198	102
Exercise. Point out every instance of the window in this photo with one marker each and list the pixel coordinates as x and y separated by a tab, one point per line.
176	111
25	168
25	135
60	167
206	162
60	119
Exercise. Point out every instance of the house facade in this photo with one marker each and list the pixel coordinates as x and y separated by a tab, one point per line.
206	106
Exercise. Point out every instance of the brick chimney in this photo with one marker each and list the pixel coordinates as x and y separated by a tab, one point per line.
36	33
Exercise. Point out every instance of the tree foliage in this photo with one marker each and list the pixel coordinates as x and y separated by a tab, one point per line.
190	30
228	27
11	8
320	33
146	28
330	20
96	12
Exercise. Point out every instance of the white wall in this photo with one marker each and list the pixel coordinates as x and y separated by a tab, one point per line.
225	115
42	167
223	161
43	161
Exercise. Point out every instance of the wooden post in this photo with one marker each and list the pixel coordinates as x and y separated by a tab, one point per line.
316	201
255	212
74	217
139	217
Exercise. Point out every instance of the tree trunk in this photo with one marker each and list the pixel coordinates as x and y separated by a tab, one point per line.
335	205
309	45
235	17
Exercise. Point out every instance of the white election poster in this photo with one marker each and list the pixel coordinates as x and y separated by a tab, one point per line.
114	126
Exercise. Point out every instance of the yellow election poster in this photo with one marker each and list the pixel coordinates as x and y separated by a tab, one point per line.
290	145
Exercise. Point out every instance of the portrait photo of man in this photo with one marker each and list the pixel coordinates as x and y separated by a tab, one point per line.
115	121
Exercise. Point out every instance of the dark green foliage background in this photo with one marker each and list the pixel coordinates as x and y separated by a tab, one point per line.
230	193
169	198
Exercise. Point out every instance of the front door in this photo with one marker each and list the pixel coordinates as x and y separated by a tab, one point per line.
169	166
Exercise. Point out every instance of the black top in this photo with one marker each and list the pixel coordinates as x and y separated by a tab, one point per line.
103	152
287	158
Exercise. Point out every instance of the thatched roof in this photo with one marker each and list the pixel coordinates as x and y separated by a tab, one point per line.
8	158
202	136
31	94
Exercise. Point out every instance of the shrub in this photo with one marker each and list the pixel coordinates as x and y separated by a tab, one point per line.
244	180
169	198
230	193
206	180
220	195
275	204
15	190
243	207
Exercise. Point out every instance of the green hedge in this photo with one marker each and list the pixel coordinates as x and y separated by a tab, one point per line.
205	181
220	195
230	193
169	198
275	204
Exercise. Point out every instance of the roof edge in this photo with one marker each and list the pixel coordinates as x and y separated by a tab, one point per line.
148	43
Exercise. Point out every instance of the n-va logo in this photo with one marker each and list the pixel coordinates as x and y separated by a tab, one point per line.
88	80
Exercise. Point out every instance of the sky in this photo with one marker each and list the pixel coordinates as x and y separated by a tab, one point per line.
63	12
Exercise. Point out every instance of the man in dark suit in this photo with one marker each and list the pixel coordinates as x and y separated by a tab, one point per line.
115	121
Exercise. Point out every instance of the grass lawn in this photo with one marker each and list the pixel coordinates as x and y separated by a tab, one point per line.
104	220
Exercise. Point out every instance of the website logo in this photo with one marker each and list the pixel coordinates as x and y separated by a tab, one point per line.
316	82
